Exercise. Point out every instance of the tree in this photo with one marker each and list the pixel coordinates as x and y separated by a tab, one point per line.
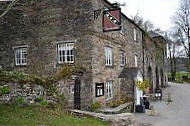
144	24
9	7
182	24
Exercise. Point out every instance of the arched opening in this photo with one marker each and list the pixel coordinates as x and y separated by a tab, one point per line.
157	78
162	77
150	79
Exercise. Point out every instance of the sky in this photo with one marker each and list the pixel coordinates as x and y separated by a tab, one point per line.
159	12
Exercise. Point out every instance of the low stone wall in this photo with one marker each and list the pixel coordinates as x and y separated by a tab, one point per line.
29	92
124	119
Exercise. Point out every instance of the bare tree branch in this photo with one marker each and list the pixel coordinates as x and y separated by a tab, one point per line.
8	8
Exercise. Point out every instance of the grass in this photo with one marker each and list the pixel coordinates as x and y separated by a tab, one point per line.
33	116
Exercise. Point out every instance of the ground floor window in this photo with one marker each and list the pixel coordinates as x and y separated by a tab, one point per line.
99	89
109	87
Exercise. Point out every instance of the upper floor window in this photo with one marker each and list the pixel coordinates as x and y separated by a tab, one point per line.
122	27
136	60
21	56
65	52
108	56
135	34
123	58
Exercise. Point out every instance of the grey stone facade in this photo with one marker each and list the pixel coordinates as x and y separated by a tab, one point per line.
45	24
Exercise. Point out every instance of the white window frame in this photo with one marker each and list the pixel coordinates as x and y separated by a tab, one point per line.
108	56
99	89
122	27
122	58
68	49
109	90
135	34
136	60
20	56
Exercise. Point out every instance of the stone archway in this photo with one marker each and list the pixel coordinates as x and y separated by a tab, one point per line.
157	78
162	77
150	79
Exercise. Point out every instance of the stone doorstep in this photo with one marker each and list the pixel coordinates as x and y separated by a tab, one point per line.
115	110
123	119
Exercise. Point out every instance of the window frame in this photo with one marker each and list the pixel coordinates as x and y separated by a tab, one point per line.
109	90
136	60
22	52
122	27
108	56
99	89
122	58
135	34
63	46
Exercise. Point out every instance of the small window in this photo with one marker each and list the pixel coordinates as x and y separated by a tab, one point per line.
135	34
136	60
123	58
122	27
65	53
21	56
108	56
109	90
99	89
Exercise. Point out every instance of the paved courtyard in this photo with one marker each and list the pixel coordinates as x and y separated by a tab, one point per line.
176	113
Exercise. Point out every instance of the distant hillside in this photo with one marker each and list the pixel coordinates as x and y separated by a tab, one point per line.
181	64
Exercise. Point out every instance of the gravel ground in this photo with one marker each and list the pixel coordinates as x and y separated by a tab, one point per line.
176	113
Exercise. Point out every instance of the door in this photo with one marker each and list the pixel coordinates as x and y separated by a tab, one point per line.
77	94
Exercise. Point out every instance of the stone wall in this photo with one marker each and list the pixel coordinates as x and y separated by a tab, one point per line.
29	92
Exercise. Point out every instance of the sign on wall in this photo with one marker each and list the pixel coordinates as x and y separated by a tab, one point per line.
112	20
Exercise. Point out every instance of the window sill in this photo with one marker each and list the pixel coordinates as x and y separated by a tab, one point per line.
109	99
24	65
99	96
109	66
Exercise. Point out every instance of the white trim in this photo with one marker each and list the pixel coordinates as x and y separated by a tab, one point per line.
22	57
16	47
121	58
59	42
63	46
109	90
108	56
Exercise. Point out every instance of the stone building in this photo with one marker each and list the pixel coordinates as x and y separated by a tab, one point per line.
39	36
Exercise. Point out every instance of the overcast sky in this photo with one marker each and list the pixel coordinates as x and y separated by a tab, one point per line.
159	12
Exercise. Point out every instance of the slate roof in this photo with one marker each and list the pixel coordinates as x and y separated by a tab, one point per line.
130	72
153	34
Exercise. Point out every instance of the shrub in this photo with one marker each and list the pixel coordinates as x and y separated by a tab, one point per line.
5	90
40	99
95	106
44	103
20	100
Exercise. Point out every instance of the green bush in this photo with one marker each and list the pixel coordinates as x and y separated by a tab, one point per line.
179	78
95	106
5	90
40	98
20	100
44	103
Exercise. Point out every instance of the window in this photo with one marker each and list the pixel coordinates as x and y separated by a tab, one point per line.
21	56
65	52
99	89
109	56
122	27
123	58
136	60
109	90
135	34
